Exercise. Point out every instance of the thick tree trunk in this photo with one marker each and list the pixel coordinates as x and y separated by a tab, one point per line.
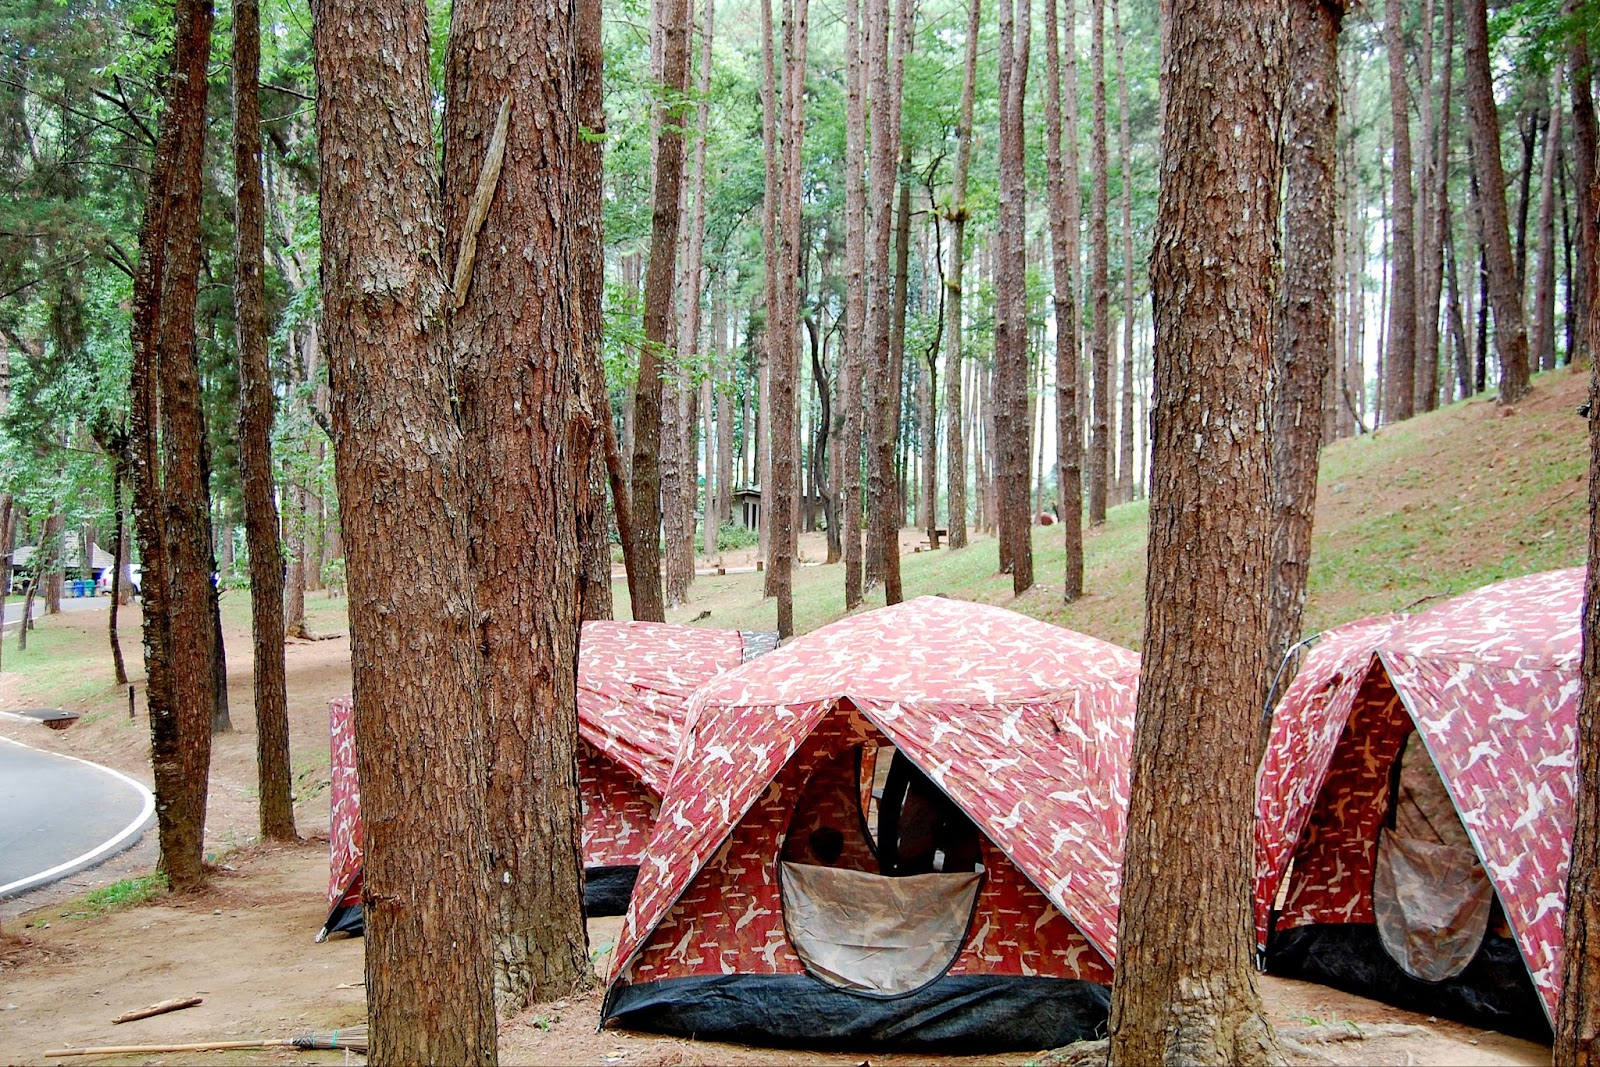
1099	277
420	723
167	438
1577	1029
659	294
1510	334
1306	324
1062	175
726	398
1400	352
256	410
515	69
1011	310
1185	989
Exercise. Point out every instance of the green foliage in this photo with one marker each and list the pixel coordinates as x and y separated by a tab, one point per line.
730	537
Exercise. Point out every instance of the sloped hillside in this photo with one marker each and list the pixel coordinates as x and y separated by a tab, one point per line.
1443	503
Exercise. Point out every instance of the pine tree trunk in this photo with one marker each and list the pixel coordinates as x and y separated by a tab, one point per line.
420	722
514	69
1099	278
119	552
1510	335
1435	222
649	441
1577	1023
1584	136
1542	345
167	437
1400	353
783	321
1062	175
1185	990
955	443
1129	309
1306	324
855	394
890	514
588	195
256	411
1012	425
726	397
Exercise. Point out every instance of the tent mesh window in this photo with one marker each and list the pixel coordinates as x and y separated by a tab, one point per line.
880	875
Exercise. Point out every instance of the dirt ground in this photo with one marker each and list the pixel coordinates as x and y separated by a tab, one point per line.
245	945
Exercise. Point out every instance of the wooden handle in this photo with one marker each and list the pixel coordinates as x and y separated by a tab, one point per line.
130	1050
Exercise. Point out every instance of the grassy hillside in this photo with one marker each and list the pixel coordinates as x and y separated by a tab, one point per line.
1441	504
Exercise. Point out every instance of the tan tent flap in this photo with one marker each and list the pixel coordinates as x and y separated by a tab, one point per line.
871	934
1432	904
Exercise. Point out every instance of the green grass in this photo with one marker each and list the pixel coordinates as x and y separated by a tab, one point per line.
115	897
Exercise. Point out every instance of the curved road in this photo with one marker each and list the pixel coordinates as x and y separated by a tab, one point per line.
59	814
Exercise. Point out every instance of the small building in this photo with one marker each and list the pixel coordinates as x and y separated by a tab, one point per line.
747	508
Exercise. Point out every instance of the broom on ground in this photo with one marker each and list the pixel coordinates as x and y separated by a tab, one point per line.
353	1038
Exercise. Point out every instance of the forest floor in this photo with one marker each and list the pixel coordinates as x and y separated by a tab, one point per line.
1442	504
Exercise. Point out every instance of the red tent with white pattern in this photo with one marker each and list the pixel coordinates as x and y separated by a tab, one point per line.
1415	808
634	681
901	830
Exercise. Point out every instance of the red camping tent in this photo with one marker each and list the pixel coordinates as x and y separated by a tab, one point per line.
903	829
1427	762
634	679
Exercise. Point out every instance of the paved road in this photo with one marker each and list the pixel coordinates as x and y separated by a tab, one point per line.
59	815
68	603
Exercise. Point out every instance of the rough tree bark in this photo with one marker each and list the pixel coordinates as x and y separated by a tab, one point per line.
881	391
955	443
588	193
1185	987
1436	221
510	82
1062	178
890	511
256	410
659	295
1305	335
403	491
1584	136
1099	277
167	433
1129	309
1400	353
783	316
1542	345
1577	1029
1510	332
1011	320
853	391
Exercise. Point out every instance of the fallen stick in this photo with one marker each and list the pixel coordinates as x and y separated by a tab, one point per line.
161	1008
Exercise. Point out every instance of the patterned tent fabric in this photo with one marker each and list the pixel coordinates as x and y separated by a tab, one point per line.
634	681
1490	682
1026	726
